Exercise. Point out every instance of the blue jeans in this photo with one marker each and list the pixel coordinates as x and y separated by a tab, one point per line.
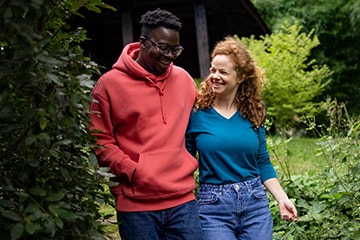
177	223
235	211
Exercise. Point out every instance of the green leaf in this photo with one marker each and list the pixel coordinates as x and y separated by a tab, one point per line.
63	142
23	196
38	191
59	222
31	208
44	137
55	78
65	174
32	227
93	7
75	98
56	196
7	203
30	140
66	215
93	160
54	153
17	231
43	123
8	14
33	211
11	215
50	226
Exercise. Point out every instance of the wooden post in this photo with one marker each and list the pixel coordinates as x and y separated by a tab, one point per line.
126	28
202	38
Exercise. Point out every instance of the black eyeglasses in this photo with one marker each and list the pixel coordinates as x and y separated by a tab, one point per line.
164	48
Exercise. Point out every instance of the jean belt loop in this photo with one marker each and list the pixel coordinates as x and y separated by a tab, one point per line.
235	186
248	186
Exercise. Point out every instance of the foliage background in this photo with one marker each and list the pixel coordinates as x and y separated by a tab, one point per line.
49	186
328	197
337	25
294	80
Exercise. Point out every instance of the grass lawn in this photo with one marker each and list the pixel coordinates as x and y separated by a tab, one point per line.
300	154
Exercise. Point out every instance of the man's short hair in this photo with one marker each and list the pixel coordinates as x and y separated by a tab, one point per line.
159	18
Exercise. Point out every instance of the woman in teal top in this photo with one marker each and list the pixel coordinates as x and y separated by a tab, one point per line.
226	130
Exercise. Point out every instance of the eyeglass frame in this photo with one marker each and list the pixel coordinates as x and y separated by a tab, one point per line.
167	49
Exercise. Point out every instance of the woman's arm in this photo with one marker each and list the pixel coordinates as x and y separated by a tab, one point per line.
287	209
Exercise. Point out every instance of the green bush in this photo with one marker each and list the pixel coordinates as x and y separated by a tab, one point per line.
328	200
337	25
293	80
49	188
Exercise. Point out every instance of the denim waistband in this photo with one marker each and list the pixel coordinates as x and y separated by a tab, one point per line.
230	186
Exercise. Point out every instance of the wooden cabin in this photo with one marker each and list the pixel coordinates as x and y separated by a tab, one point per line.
204	23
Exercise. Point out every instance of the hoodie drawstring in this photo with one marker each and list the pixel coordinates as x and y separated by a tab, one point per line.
161	94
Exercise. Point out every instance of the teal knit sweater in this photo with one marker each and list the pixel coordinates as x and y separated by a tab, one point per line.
229	150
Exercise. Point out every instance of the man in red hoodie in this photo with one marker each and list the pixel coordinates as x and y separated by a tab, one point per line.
140	112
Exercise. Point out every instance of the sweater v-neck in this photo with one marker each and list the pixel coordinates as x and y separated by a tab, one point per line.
230	116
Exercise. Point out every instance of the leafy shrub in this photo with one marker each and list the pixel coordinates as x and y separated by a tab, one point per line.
328	200
49	188
294	80
337	25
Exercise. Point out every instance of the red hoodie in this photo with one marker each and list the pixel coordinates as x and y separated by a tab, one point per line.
140	120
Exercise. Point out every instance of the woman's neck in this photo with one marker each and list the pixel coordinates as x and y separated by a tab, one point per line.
224	107
224	103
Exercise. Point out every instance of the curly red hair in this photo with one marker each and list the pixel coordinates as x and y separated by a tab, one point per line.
248	99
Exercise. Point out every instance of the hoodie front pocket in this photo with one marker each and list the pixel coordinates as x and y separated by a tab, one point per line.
163	174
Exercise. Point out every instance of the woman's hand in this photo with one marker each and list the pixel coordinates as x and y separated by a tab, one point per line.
287	210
